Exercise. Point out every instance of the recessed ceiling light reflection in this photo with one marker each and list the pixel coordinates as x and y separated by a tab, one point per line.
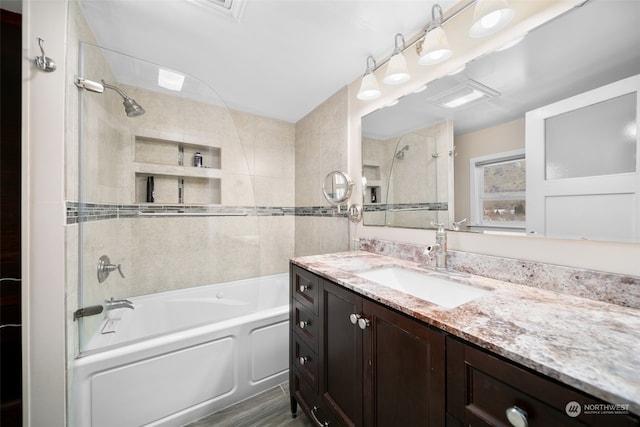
170	80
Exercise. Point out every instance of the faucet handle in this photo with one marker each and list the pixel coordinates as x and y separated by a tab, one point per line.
105	267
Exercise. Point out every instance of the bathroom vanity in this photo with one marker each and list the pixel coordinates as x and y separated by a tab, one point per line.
365	354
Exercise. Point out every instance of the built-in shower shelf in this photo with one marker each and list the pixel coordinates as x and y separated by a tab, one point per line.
184	171
176	179
167	152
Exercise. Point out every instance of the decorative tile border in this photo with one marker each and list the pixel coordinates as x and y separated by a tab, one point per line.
86	212
596	285
406	207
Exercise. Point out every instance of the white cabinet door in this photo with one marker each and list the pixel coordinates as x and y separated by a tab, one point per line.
582	165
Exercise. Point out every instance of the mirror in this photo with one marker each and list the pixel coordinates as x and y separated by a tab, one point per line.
590	46
337	187
395	169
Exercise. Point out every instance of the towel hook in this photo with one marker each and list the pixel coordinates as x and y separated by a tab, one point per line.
43	62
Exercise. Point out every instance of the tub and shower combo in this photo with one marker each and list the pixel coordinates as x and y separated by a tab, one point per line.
196	329
180	355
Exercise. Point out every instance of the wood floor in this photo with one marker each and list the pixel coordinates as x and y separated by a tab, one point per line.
268	409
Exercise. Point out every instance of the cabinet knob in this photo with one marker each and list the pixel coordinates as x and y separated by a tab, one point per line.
517	417
303	288
354	318
315	418
303	360
303	324
363	323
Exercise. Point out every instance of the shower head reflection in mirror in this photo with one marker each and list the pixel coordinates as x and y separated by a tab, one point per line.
400	154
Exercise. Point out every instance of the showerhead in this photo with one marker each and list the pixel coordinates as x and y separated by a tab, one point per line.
131	107
400	154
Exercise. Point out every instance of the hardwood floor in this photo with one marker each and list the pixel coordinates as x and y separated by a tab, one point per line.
268	409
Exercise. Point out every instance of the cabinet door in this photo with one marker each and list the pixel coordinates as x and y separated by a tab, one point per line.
404	370
341	355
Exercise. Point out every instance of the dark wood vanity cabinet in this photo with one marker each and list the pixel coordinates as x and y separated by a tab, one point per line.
355	362
372	367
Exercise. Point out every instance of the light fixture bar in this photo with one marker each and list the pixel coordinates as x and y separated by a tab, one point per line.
412	41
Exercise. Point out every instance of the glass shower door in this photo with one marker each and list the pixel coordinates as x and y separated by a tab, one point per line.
165	192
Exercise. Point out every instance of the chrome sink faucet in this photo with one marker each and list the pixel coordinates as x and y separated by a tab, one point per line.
112	304
439	249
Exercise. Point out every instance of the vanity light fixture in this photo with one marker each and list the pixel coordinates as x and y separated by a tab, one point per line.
490	16
369	88
434	47
397	71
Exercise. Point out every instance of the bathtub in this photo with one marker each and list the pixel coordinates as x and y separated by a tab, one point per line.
181	355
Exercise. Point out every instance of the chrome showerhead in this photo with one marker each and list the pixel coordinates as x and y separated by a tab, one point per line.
131	107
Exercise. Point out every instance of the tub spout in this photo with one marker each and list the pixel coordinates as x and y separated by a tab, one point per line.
112	304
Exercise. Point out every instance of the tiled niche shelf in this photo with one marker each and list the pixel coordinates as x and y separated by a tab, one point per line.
371	171
176	179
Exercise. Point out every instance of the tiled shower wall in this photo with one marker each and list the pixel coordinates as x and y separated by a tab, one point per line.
321	147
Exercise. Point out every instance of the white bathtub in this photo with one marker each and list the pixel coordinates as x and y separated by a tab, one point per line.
181	355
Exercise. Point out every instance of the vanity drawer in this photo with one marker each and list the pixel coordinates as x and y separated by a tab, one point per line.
490	386
305	324
304	288
305	361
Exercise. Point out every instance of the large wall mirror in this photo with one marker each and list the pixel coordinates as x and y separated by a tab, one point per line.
472	144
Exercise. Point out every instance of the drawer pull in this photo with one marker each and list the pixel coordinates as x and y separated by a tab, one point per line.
315	418
303	360
303	324
304	288
353	317
517	417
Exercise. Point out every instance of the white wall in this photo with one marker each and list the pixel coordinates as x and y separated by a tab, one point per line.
609	257
43	299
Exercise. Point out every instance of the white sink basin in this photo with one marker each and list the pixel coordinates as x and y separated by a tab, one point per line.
440	291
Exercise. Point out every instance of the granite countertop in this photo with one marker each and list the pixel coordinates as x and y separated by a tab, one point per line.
591	345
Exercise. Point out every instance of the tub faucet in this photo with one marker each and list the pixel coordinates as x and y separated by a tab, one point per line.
439	249
112	304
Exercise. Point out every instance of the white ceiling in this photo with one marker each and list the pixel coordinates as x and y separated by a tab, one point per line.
281	60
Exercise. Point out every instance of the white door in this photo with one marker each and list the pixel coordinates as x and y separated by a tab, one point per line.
582	165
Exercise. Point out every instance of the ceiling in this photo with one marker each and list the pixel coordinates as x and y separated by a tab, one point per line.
281	59
587	47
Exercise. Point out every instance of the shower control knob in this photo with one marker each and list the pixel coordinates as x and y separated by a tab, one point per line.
303	360
303	324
